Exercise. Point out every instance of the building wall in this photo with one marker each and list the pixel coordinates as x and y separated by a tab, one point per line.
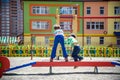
78	23
111	29
11	21
51	17
111	6
95	12
108	31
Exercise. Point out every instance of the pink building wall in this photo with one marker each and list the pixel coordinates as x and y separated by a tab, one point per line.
95	12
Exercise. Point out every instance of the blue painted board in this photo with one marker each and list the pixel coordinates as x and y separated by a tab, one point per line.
21	66
116	63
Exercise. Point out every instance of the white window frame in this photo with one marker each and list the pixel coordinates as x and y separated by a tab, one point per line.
67	10
88	40
101	10
88	10
101	40
116	25
40	10
46	40
117	10
66	25
95	25
40	25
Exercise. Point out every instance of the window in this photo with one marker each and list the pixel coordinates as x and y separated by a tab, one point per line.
5	18
116	25
101	40
88	10
4	22
88	40
88	25
101	10
101	25
40	10
8	28
66	25
68	10
95	25
117	10
46	40
40	25
118	40
3	6
4	12
33	39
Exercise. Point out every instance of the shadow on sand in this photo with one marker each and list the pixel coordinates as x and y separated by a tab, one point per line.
92	73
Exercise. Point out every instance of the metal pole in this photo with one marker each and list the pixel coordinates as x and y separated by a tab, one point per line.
50	69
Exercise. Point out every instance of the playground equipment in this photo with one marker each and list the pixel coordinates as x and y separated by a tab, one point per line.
94	64
21	66
5	65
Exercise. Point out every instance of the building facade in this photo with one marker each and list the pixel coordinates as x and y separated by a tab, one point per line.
11	20
114	23
94	25
41	16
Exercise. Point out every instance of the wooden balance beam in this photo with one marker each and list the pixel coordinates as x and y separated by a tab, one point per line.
94	64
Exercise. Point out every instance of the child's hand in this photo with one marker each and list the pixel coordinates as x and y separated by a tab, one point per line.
65	37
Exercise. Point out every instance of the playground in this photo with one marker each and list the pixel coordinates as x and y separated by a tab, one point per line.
58	73
27	49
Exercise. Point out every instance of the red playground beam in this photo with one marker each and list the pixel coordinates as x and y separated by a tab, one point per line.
82	63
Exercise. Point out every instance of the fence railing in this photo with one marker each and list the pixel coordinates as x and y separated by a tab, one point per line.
41	51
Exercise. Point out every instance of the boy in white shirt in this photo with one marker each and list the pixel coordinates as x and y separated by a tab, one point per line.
59	38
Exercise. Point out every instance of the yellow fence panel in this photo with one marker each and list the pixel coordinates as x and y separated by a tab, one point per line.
41	51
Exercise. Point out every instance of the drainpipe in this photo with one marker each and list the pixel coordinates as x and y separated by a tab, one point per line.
83	26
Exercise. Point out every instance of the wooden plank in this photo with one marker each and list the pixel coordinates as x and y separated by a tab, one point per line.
82	63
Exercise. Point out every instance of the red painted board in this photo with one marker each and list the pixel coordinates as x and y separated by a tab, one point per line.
83	63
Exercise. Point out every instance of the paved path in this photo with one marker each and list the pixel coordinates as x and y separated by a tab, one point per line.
60	73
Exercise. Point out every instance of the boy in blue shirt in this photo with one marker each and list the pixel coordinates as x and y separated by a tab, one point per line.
59	38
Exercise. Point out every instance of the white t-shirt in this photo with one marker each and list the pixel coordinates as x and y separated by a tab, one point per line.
70	41
59	32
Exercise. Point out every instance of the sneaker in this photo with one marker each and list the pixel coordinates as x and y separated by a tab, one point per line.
66	59
51	60
81	59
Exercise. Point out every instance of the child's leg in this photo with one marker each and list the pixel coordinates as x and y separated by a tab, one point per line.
61	40
53	53
75	52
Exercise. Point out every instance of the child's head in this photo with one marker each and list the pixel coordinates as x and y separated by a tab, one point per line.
56	26
73	35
